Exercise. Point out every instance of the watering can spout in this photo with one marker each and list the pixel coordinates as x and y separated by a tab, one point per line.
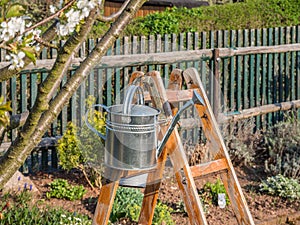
196	100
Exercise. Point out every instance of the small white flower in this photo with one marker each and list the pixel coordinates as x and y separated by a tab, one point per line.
6	32
84	13
81	4
16	60
52	9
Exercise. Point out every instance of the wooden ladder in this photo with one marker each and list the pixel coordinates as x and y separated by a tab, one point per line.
184	174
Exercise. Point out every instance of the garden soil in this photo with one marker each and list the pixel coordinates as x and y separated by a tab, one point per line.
264	209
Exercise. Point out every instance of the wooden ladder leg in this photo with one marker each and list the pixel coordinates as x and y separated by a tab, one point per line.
154	178
175	148
219	151
152	190
105	203
186	181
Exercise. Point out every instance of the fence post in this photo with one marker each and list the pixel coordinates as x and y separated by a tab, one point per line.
216	78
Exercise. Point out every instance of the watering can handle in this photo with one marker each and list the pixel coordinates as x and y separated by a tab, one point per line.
90	126
131	91
196	99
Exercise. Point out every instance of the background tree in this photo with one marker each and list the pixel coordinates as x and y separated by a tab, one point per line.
73	20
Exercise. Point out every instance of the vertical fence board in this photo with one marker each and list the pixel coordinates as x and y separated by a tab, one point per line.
108	82
258	78
64	113
203	61
196	47
226	70
166	71
286	70
298	68
23	92
239	72
292	65
245	71
211	69
13	99
91	77
158	46
174	46
269	75
232	82
251	71
73	105
125	52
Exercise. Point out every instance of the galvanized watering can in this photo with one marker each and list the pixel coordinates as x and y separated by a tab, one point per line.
131	141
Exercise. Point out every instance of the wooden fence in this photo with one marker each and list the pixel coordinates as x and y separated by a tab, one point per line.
240	69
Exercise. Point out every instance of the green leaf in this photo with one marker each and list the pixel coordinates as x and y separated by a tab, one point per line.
30	53
15	10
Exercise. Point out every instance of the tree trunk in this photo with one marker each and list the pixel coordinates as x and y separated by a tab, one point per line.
22	147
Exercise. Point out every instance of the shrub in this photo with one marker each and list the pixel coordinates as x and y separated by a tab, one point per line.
241	142
82	149
243	15
281	186
128	203
282	142
60	188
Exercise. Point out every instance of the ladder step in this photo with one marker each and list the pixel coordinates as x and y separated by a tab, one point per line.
204	169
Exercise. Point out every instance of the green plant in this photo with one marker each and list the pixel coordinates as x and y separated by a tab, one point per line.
4	109
243	15
209	192
281	186
20	210
60	188
128	202
162	214
82	149
283	149
241	142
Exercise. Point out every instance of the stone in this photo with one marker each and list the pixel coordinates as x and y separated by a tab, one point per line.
19	182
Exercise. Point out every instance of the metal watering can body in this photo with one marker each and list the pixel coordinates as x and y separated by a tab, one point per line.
131	132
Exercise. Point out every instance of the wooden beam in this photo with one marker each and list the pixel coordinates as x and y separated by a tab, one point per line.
260	110
165	57
204	169
229	52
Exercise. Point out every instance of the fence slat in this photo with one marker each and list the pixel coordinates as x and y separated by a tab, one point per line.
203	62
258	78
245	70
292	65
232	88
269	75
91	77
298	68
239	72
166	71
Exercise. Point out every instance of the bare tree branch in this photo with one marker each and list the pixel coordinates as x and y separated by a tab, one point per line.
115	15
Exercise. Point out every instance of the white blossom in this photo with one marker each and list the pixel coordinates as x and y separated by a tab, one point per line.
6	33
11	28
52	9
73	17
16	60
